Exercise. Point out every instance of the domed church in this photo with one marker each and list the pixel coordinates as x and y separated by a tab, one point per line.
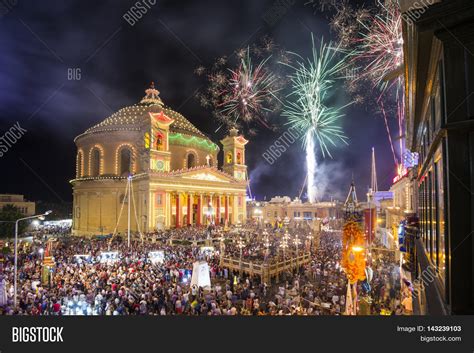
172	167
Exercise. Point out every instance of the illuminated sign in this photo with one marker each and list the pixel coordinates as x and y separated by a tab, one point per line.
109	256
401	173
156	257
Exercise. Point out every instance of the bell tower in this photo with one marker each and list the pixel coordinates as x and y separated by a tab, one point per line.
157	137
234	155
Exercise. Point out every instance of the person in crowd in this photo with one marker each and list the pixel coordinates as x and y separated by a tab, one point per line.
131	284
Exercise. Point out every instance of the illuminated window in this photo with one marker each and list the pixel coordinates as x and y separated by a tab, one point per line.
239	158
228	158
160	144
440	230
147	140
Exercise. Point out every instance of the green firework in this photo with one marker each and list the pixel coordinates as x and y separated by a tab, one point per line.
307	107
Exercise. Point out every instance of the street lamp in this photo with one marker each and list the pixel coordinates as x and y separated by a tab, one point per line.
40	217
284	245
296	242
309	239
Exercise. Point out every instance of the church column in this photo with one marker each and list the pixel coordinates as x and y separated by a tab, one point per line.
218	209
235	208
226	212
210	208
190	210
178	212
168	209
151	218
171	209
199	210
244	208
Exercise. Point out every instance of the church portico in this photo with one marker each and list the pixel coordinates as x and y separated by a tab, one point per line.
197	205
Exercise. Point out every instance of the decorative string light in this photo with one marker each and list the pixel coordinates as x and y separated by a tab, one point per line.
196	158
136	119
101	158
186	140
132	157
80	163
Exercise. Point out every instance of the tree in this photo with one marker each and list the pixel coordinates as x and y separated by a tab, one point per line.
8	215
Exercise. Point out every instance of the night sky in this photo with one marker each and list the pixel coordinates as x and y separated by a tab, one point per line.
41	40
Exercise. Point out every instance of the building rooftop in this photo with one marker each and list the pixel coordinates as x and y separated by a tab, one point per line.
12	198
134	116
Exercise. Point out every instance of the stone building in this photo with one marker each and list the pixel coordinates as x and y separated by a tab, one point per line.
25	207
439	64
283	210
173	170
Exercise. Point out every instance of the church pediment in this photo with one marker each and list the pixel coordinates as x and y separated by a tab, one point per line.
161	118
207	174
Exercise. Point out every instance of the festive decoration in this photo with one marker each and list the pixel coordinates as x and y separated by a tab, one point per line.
80	163
192	141
146	139
353	254
132	157
96	152
129	118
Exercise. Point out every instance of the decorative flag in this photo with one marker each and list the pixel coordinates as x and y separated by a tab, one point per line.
349	302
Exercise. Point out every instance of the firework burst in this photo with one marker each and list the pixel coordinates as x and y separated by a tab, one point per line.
381	46
373	36
308	110
246	92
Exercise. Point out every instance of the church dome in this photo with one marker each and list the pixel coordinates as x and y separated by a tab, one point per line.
126	142
131	118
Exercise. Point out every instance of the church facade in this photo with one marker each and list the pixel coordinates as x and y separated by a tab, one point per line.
172	168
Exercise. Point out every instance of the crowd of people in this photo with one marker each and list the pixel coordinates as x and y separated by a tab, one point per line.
41	232
132	284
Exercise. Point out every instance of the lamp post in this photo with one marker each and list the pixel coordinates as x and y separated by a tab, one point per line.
296	242
15	271
284	245
309	239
